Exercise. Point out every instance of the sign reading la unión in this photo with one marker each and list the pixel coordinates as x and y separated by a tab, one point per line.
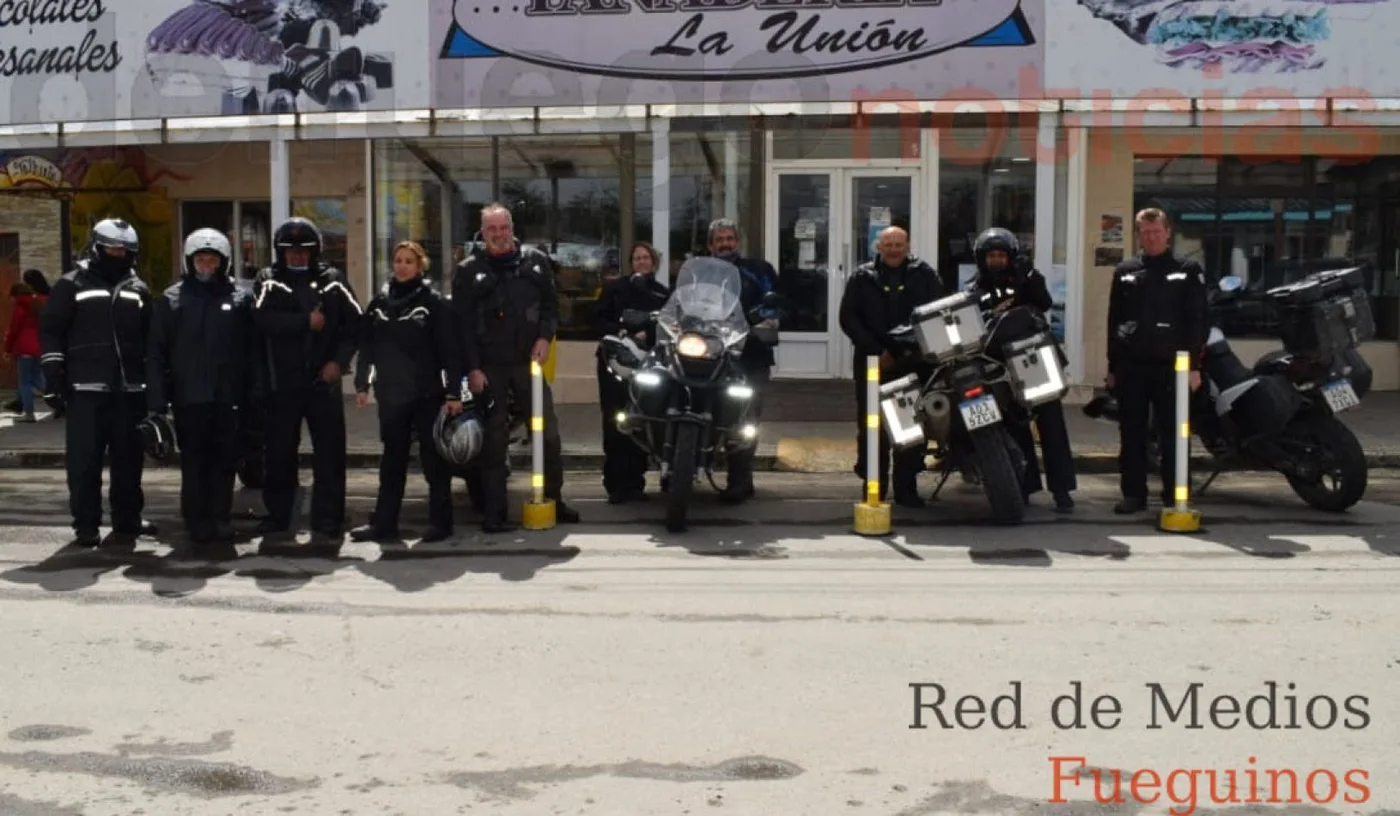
719	40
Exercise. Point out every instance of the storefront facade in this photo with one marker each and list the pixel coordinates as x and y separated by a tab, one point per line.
606	123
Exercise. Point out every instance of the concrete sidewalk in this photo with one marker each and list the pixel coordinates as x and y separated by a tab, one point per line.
808	426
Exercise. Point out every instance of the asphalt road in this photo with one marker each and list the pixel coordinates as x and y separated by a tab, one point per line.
760	664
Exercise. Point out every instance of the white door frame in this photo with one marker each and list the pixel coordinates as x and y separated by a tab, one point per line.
923	175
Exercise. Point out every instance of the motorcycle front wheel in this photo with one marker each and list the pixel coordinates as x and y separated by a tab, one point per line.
682	476
1342	475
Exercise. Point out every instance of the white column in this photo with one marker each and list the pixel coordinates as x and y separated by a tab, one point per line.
924	242
661	195
731	176
280	164
1045	192
1074	251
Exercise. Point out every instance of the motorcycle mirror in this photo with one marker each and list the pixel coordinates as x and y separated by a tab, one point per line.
1231	283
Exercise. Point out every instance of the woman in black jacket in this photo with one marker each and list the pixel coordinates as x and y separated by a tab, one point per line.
409	353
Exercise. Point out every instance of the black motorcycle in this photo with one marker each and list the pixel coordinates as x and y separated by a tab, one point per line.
989	370
1283	414
690	401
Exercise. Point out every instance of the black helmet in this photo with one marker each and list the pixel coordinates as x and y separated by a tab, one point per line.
459	439
297	233
996	238
159	436
1103	407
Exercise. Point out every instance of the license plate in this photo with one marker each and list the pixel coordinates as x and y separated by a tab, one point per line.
980	412
1340	396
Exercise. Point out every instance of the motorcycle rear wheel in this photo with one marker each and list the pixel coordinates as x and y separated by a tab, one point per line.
1001	479
1345	465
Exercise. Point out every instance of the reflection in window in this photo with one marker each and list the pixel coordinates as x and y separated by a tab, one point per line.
1273	222
986	178
709	179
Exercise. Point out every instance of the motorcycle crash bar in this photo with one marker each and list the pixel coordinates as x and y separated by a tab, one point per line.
539	512
872	516
1181	518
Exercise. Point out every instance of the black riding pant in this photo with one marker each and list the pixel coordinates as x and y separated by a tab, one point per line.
1146	394
322	408
98	426
397	424
1049	421
624	461
208	439
511	384
907	463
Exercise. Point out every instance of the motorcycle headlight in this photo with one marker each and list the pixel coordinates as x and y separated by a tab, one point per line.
693	345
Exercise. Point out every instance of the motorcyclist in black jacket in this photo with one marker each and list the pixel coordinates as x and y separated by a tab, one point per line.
624	462
881	295
201	363
307	319
1005	280
757	358
410	353
508	311
92	336
1158	305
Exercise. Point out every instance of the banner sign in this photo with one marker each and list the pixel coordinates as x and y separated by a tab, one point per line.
84	60
571	52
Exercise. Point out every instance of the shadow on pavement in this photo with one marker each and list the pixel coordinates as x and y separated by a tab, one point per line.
415	568
75	567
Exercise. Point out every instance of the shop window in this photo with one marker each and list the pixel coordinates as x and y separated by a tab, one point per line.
986	178
1274	222
710	179
583	199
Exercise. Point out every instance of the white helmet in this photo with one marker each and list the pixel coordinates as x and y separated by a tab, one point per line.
208	240
114	232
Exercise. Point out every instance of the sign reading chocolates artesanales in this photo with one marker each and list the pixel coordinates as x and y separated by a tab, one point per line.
86	60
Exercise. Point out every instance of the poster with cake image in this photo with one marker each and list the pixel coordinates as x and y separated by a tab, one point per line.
103	60
1298	48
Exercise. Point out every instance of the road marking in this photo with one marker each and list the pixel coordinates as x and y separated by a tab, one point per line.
1166	544
1330	544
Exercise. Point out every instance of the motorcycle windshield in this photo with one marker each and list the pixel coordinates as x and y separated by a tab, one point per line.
707	300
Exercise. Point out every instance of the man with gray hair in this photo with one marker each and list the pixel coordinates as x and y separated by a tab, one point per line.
505	300
759	278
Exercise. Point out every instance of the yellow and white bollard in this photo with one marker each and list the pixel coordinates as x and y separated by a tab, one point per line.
872	515
1181	518
538	513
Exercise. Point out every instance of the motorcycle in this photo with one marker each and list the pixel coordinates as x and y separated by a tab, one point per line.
1283	414
690	404
989	370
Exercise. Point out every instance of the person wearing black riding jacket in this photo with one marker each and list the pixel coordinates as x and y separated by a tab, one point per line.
92	337
881	295
508	311
1005	281
201	364
307	320
1157	306
624	462
757	358
409	353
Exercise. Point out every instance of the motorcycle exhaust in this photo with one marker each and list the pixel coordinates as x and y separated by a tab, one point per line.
938	416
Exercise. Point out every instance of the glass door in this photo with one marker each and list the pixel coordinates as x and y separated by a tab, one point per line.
875	201
801	231
822	225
